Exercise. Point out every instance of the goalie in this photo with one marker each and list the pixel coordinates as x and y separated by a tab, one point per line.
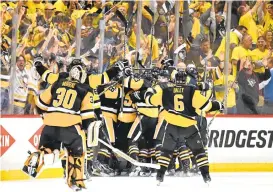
67	106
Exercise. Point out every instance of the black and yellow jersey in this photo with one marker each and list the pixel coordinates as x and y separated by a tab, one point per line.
180	103
67	103
138	85
190	81
4	81
93	80
129	112
110	101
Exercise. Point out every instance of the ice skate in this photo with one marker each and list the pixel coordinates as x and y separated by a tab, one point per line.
134	171
159	177
102	169
206	178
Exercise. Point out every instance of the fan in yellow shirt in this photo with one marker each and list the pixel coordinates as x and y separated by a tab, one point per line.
235	37
241	53
34	6
247	20
259	54
60	6
268	18
233	88
201	6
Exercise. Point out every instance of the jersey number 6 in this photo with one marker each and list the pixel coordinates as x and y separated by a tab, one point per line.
178	103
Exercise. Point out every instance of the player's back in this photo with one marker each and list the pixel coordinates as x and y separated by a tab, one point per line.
178	99
64	100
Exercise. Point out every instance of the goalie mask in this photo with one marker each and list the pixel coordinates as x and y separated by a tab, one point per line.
77	71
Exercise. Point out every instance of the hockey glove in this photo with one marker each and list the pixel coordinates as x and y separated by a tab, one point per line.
38	61
122	64
127	71
217	106
167	62
204	86
222	107
136	97
155	72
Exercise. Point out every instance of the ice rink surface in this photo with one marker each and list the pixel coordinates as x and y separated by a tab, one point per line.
231	182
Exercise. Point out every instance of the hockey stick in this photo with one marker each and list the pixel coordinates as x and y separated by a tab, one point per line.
128	158
180	48
109	86
125	22
140	124
152	32
205	79
217	112
114	7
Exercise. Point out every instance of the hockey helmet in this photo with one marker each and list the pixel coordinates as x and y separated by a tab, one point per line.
192	71
180	77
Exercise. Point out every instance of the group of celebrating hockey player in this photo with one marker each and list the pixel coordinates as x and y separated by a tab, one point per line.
154	115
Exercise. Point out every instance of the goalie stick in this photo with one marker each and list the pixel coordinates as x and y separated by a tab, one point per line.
128	158
124	155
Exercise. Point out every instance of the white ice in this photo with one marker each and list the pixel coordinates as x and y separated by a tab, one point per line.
231	182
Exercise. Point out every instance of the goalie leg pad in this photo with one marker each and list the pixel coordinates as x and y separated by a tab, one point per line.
93	133
75	171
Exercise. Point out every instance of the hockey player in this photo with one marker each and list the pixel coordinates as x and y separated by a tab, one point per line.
180	102
92	80
192	80
110	96
68	108
141	142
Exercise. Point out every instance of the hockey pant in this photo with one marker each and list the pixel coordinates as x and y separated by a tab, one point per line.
88	159
107	134
159	134
204	136
173	136
73	138
182	153
141	142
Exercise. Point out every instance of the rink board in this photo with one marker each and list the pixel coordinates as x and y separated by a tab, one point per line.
236	144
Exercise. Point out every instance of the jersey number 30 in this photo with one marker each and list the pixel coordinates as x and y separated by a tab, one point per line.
65	98
178	103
